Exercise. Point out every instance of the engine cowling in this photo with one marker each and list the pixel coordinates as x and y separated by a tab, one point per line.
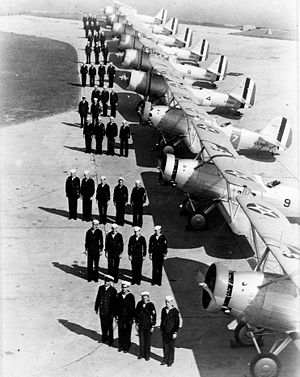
254	297
120	28
146	84
130	41
152	115
137	59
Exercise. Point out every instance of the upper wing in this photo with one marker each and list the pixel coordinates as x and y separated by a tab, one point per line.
281	237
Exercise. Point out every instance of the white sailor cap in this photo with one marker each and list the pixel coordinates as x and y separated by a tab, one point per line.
102	177
114	225
169	298
146	293
95	221
72	171
125	284
136	228
111	118
121	179
108	277
157	227
86	172
138	181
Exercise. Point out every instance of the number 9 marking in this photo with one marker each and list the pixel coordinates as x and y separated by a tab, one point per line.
287	202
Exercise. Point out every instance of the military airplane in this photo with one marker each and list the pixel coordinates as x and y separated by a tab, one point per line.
261	302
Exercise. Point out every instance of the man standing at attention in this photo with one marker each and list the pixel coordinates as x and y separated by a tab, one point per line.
113	99
83	71
111	71
114	247
124	136
120	200
137	250
103	197
158	249
99	132
72	189
87	190
83	109
93	248
101	73
92	74
111	133
105	306
137	201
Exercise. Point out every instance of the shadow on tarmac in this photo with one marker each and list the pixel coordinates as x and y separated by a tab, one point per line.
77	125
127	106
74	84
225	113
59	212
74	269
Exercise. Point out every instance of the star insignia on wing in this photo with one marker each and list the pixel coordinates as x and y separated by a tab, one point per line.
262	210
120	54
123	77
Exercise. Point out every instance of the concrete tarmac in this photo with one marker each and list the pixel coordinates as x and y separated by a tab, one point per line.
49	327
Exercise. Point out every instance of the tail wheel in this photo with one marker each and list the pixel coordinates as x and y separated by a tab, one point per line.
265	365
168	149
197	220
242	336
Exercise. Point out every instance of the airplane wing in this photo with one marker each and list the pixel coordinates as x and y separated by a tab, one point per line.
224	156
281	237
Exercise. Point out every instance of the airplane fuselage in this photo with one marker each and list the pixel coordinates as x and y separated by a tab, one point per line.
206	97
194	73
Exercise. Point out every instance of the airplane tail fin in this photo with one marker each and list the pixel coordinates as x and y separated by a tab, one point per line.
185	37
245	93
172	26
201	50
219	67
161	17
279	132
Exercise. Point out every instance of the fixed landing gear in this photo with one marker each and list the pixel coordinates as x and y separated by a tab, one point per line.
265	364
244	338
196	213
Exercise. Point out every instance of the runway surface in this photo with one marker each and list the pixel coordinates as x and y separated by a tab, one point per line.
49	326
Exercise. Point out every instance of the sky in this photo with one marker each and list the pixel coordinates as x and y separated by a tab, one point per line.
280	14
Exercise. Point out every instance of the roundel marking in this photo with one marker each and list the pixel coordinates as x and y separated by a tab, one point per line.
262	210
238	174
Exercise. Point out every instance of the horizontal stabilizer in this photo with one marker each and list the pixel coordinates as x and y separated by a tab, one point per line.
185	37
245	93
219	67
279	132
201	50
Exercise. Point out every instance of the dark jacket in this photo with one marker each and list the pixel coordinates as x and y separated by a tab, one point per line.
95	94
88	48
158	247
88	130
99	131
137	247
72	187
105	303
101	70
111	71
113	98
145	315
120	194
103	193
104	96
95	109
94	241
125	307
111	130
102	38
124	132
169	321
92	71
83	108
114	246
138	196
87	188
84	70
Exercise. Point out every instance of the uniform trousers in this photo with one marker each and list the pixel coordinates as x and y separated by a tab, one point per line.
168	348
113	110
86	208
157	264
92	80
113	267
136	268
104	109
88	144
110	81
120	213
124	327
99	141
83	117
83	80
101	81
88	58
124	147
137	215
72	207
92	266
145	343
106	322
111	146
102	212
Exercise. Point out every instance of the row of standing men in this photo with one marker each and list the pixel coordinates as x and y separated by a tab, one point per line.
102	71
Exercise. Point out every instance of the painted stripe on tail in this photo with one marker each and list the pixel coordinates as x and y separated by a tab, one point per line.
281	129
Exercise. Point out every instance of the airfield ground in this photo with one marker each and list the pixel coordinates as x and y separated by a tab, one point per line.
49	327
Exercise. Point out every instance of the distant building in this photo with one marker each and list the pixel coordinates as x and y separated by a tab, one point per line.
248	27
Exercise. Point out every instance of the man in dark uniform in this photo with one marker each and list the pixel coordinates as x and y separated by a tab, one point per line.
90	38
93	248
99	132
113	98
84	18
101	73
137	201
92	74
83	71
83	109
114	247
104	100
102	39
145	320
90	18
87	190
137	250
88	131
97	28
95	94
169	326
120	199
104	50
92	28
72	189
105	306
124	136
111	71
95	111
158	249
111	133
88	50
86	28
125	310
97	52
102	198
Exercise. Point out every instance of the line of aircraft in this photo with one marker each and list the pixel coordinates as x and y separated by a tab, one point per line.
163	69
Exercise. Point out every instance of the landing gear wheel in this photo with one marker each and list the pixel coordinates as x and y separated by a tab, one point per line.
168	149
197	220
265	365
242	336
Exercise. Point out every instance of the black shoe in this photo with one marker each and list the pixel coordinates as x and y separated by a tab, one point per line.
110	344
147	358
120	350
163	363
140	357
125	351
170	364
